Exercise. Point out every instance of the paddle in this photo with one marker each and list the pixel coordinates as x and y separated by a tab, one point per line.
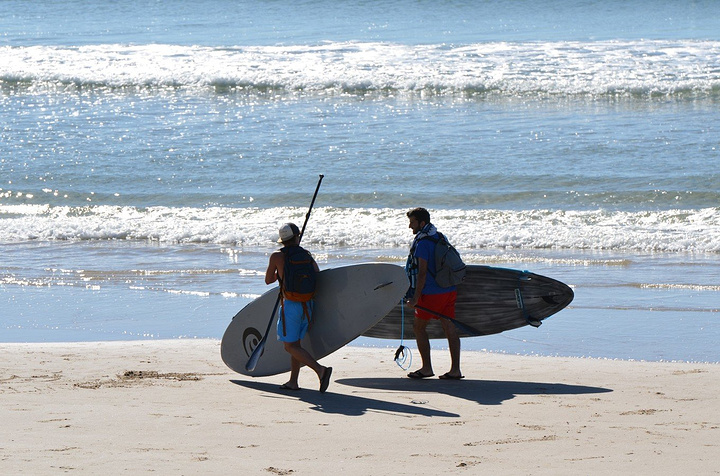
257	352
463	327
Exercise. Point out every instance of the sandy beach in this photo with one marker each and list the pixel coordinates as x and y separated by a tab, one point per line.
172	407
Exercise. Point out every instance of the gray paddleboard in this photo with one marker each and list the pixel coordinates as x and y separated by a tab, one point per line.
491	300
349	301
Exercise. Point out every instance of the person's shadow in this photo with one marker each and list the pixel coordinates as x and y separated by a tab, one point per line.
348	405
484	392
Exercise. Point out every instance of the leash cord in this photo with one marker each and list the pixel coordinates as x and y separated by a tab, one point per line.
403	356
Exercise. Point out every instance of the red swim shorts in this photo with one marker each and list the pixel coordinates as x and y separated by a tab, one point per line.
441	303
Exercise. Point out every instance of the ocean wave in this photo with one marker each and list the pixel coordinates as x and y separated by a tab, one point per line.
691	230
601	68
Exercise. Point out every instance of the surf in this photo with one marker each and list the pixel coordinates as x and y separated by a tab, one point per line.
617	68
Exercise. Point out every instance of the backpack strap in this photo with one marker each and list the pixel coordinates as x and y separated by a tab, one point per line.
435	240
306	315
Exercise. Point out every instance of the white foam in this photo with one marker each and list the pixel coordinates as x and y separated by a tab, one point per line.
373	228
566	68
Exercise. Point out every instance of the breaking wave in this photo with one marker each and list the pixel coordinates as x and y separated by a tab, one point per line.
565	68
693	230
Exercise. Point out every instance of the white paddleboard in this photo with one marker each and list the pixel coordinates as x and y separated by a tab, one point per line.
349	301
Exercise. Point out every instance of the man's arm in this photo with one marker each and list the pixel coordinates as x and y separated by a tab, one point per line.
419	281
275	267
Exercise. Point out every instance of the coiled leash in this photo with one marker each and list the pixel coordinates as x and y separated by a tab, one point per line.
403	356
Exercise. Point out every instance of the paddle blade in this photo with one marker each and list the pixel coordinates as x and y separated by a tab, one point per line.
255	356
258	351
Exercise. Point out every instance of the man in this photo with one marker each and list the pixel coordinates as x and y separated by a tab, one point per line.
426	293
295	314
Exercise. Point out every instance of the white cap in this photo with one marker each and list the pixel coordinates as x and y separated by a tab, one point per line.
287	232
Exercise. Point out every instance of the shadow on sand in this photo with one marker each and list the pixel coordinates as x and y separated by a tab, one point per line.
484	392
348	405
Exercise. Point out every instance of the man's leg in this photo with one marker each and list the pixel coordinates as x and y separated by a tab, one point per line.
302	357
423	345
294	373
454	346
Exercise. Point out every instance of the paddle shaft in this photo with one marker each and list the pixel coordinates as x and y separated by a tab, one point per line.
463	327
312	203
257	352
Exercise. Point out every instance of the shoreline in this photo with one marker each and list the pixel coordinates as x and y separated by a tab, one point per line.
438	345
173	407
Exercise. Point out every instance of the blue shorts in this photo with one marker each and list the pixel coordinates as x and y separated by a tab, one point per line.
296	324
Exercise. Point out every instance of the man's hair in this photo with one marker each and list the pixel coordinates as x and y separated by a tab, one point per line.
420	214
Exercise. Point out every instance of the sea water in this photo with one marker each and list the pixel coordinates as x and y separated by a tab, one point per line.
150	150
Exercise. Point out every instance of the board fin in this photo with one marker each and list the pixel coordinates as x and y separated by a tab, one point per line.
533	322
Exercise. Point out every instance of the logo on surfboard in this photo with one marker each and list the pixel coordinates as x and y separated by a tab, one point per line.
251	339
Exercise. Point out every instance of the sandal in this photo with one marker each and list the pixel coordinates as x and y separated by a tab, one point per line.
325	380
447	376
417	375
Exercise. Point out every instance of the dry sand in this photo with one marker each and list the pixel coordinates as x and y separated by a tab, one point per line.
172	407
